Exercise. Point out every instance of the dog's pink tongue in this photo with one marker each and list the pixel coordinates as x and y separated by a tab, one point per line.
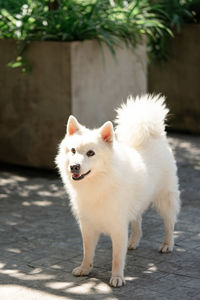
76	175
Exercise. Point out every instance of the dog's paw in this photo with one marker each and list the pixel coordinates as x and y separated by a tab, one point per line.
117	281
166	248
132	245
80	271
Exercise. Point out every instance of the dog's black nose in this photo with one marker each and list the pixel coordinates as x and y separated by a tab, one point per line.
75	169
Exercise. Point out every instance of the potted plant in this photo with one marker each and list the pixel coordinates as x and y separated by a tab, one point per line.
178	77
85	56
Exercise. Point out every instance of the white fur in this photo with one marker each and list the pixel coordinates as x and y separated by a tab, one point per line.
128	173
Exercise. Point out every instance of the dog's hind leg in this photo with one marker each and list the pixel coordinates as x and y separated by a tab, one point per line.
136	233
168	206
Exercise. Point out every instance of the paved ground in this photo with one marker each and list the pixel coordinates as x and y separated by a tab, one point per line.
40	242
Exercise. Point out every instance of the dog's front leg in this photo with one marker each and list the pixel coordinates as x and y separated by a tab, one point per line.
90	238
119	244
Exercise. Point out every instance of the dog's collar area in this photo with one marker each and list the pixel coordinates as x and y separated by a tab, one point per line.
77	177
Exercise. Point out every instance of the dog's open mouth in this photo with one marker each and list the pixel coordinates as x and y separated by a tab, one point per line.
80	176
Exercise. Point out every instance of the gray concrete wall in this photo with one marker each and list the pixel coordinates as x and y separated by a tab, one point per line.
65	78
34	107
179	80
100	81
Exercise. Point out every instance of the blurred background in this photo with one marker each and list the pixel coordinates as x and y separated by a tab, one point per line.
84	57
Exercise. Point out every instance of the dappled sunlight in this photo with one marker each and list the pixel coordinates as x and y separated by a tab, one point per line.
55	279
178	249
151	268
130	278
34	187
185	150
2	196
24	276
13	250
197	167
2	265
44	193
59	285
11	179
11	223
37	203
40	242
91	287
32	190
55	290
22	292
177	233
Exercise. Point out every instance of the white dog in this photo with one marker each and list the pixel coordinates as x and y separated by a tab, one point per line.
113	177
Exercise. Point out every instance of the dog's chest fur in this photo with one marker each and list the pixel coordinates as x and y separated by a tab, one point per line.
100	210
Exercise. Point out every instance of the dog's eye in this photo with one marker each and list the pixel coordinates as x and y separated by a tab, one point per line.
90	153
73	150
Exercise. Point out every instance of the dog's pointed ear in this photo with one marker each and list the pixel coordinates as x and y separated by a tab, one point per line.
107	132
72	125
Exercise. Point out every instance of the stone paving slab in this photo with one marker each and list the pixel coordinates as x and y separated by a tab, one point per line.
40	242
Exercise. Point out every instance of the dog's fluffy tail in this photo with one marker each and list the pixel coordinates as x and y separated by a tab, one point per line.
141	118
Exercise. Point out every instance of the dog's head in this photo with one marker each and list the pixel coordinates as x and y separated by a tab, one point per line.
85	153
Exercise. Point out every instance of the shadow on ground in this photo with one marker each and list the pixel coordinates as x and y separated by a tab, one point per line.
40	241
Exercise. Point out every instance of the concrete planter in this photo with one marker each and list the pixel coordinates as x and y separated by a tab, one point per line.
179	80
66	78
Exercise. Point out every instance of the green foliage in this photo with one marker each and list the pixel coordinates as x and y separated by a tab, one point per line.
110	21
181	11
177	13
80	20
